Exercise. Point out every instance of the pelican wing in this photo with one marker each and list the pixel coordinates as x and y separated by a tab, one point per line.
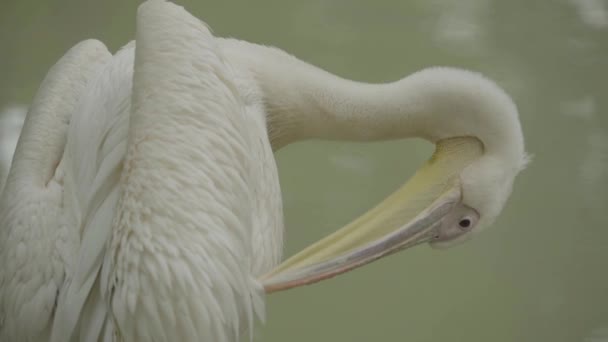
36	242
78	260
178	265
93	159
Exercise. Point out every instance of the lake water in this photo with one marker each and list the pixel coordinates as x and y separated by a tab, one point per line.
539	274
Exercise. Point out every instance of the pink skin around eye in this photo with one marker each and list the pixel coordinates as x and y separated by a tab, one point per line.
460	221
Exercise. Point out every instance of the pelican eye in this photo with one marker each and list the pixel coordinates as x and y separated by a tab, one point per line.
465	223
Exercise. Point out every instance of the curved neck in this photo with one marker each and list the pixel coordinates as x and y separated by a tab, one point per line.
305	102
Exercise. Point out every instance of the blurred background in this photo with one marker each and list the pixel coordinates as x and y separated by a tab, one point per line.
539	274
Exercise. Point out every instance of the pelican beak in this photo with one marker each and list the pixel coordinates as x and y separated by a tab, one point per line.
412	215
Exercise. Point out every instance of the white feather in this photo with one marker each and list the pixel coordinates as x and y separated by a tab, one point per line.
217	266
34	230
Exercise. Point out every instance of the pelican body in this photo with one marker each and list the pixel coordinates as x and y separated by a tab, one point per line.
143	201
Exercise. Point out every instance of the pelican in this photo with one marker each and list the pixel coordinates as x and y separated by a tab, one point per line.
143	201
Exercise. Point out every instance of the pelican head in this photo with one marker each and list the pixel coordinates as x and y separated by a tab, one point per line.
460	190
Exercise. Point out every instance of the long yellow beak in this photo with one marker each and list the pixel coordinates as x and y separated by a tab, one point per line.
410	216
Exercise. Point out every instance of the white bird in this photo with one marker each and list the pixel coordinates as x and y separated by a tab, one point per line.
143	202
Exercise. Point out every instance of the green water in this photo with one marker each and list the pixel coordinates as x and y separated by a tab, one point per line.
539	274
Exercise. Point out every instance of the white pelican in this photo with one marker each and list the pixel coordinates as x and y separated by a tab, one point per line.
143	202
